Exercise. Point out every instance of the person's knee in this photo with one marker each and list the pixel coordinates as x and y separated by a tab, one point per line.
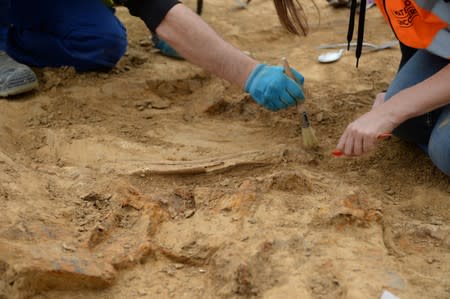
415	130
94	50
439	145
106	52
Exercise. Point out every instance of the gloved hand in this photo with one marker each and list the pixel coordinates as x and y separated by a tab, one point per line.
165	48
270	87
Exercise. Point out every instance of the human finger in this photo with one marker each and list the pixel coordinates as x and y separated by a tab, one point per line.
295	92
282	102
358	145
341	144
349	144
298	77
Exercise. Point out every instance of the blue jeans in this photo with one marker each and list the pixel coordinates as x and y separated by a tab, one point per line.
84	34
4	22
431	130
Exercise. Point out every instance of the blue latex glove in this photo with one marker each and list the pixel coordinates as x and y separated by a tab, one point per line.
165	48
270	87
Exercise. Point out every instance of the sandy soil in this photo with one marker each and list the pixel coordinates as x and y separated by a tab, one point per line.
158	180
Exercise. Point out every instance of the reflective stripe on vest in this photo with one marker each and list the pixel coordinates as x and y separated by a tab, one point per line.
420	24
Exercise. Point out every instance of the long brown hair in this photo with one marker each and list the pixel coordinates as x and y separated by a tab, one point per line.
292	16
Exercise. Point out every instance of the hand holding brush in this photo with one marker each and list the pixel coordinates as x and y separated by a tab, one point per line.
309	137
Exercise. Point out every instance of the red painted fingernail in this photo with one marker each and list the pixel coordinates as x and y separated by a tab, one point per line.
337	153
384	136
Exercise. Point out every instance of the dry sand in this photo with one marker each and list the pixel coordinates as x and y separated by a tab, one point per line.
158	180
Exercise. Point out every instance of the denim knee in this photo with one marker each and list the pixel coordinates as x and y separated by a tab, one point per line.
4	22
91	50
84	34
419	66
439	145
418	129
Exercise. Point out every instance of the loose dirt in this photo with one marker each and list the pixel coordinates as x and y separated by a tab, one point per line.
159	180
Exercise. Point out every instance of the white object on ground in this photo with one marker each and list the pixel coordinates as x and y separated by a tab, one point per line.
388	295
386	45
330	56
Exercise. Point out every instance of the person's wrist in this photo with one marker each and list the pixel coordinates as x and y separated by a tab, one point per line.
252	75
379	99
250	65
394	113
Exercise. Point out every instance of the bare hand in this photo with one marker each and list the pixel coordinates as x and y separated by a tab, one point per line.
361	135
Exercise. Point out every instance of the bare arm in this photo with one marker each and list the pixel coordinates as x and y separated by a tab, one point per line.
421	98
199	44
432	93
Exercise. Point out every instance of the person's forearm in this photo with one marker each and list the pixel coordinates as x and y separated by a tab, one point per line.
421	98
199	44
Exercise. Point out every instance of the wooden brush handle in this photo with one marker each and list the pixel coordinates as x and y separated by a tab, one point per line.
288	72
309	138
287	69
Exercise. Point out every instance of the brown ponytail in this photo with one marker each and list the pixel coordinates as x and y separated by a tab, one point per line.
292	16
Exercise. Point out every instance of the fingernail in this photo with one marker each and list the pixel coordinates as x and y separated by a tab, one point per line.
337	153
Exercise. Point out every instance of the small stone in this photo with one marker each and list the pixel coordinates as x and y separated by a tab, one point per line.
390	192
202	271
436	221
252	221
189	213
224	183
430	260
159	103
319	117
145	43
147	115
68	248
179	266
437	233
142	292
95	196
142	105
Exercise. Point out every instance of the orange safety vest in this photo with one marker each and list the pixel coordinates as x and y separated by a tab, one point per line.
420	24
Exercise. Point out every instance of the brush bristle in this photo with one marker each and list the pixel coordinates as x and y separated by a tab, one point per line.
309	137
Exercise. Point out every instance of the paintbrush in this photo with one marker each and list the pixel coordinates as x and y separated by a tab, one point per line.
309	137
